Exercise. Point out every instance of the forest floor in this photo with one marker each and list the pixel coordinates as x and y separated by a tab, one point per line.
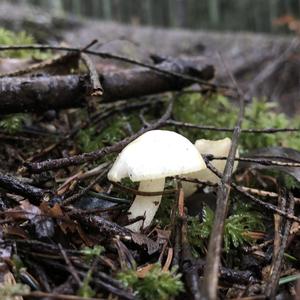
64	225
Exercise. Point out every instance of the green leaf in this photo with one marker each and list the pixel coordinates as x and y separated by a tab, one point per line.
290	278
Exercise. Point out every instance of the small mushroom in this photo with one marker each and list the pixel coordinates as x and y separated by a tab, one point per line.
150	159
216	148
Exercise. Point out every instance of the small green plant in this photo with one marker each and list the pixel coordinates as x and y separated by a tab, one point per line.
156	285
12	123
9	38
91	253
86	291
198	232
236	226
243	219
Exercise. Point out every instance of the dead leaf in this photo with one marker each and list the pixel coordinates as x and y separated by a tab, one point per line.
140	239
44	226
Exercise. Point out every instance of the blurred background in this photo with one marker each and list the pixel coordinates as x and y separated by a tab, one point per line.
258	39
233	15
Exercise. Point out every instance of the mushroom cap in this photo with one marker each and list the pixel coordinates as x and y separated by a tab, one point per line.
216	148
156	154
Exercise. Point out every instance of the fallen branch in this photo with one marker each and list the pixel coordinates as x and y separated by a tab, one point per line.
21	94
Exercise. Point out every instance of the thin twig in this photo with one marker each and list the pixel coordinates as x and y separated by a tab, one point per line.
250	190
97	89
261	161
71	268
59	60
38	294
271	288
210	280
50	63
226	129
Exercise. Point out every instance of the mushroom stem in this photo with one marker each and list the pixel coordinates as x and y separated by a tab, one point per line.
146	205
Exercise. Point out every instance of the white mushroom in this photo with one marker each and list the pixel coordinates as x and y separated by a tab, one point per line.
150	159
216	148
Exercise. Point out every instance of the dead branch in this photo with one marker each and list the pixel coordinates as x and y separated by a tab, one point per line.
21	94
13	185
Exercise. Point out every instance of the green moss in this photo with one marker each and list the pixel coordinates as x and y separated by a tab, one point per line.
218	111
90	139
197	109
237	225
242	219
12	123
156	285
10	38
262	114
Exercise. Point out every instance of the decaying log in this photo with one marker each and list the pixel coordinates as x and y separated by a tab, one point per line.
40	93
